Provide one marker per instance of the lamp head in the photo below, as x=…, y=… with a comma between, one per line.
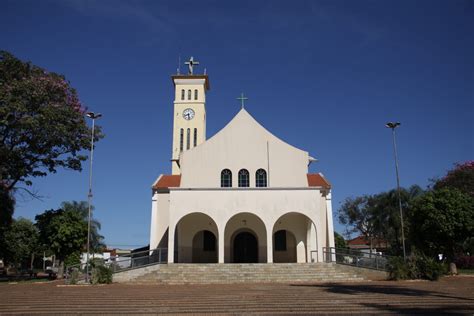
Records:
x=392, y=125
x=93, y=115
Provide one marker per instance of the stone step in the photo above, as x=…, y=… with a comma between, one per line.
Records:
x=244, y=273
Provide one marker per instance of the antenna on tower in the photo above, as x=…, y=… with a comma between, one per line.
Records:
x=205, y=70
x=179, y=64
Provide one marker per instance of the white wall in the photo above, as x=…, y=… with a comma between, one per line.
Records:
x=243, y=144
x=267, y=204
x=159, y=218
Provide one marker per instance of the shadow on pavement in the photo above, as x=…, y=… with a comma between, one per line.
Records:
x=406, y=310
x=354, y=289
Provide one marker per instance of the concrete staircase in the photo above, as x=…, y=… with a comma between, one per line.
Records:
x=246, y=273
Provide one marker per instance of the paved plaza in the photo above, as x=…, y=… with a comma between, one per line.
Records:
x=451, y=295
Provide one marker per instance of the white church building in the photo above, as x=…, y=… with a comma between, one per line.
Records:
x=241, y=196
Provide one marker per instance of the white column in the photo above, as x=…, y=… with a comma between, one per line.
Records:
x=330, y=225
x=171, y=242
x=154, y=221
x=221, y=245
x=269, y=243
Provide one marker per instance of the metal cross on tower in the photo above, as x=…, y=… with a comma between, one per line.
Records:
x=242, y=100
x=191, y=64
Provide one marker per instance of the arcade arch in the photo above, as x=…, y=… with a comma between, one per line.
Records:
x=196, y=239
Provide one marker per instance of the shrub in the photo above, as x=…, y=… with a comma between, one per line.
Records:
x=397, y=269
x=428, y=268
x=74, y=277
x=101, y=275
x=416, y=267
x=465, y=262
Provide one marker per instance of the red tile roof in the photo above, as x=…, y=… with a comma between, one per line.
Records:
x=363, y=242
x=168, y=181
x=318, y=180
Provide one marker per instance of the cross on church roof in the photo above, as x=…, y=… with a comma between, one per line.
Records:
x=191, y=64
x=242, y=100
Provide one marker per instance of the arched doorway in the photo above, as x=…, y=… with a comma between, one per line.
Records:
x=250, y=245
x=245, y=248
x=204, y=247
x=284, y=247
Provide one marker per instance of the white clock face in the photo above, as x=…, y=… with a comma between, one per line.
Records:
x=188, y=114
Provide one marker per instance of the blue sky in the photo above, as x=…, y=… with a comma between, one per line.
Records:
x=325, y=76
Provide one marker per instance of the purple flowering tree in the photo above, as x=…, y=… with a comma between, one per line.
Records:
x=461, y=178
x=42, y=124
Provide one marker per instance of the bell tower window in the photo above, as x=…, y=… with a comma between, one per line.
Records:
x=195, y=94
x=195, y=137
x=188, y=138
x=182, y=94
x=189, y=94
x=181, y=140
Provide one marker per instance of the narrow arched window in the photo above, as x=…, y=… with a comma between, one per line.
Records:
x=189, y=94
x=181, y=140
x=195, y=137
x=261, y=178
x=226, y=178
x=182, y=94
x=188, y=139
x=243, y=178
x=195, y=94
x=280, y=240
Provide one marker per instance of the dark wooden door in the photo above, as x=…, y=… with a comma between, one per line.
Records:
x=245, y=248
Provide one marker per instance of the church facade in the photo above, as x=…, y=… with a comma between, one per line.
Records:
x=241, y=196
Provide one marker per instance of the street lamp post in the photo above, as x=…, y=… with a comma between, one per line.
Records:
x=393, y=126
x=93, y=116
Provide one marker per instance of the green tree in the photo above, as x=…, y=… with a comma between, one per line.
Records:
x=96, y=239
x=378, y=216
x=441, y=221
x=42, y=124
x=21, y=242
x=62, y=232
x=461, y=178
x=339, y=241
x=7, y=204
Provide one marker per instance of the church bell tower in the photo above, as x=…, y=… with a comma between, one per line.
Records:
x=189, y=116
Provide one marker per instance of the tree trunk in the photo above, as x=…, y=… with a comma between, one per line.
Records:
x=61, y=269
x=32, y=261
x=453, y=270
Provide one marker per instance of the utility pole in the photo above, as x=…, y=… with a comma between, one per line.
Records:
x=93, y=116
x=393, y=126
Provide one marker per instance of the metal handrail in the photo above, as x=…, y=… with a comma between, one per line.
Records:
x=359, y=259
x=121, y=263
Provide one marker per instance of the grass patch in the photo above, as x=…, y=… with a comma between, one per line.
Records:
x=466, y=271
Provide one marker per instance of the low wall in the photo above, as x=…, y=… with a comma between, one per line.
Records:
x=130, y=275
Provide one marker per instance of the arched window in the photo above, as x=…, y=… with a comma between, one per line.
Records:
x=195, y=94
x=188, y=139
x=208, y=241
x=243, y=178
x=182, y=94
x=181, y=141
x=226, y=178
x=280, y=240
x=189, y=94
x=195, y=137
x=260, y=178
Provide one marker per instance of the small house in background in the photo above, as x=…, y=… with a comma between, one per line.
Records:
x=362, y=244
